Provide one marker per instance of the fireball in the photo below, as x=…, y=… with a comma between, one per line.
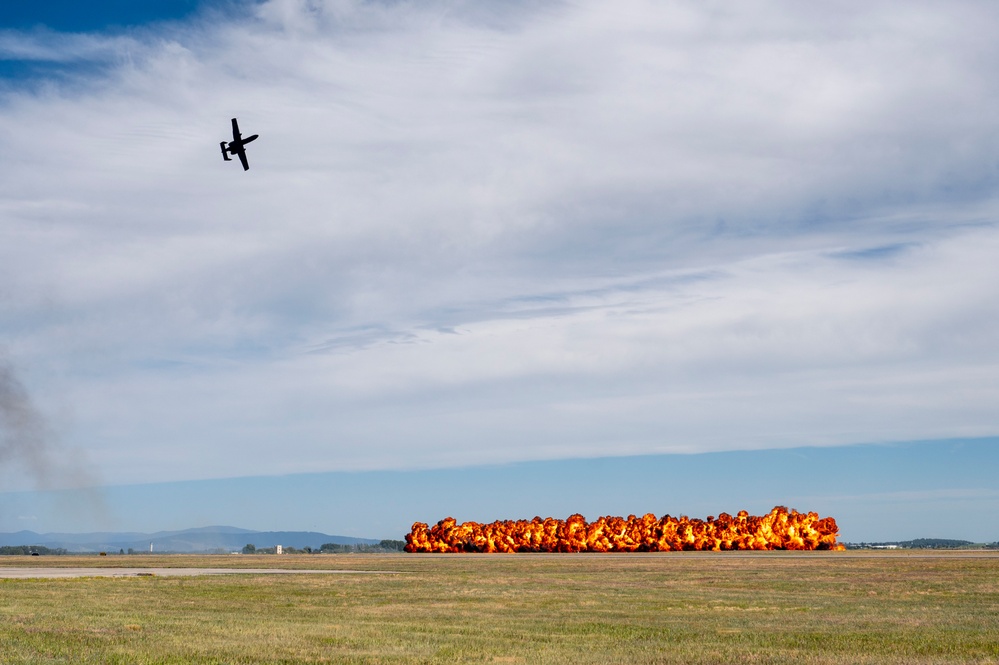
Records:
x=780, y=529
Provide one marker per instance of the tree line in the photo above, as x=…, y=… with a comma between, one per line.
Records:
x=926, y=544
x=28, y=550
x=382, y=546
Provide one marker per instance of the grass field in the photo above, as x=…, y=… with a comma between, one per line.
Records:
x=818, y=607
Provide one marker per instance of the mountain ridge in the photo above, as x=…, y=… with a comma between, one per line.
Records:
x=184, y=541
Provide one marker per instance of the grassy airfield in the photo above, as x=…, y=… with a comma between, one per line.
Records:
x=780, y=607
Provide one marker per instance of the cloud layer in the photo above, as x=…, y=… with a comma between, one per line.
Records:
x=491, y=234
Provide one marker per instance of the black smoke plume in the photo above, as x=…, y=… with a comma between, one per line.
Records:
x=24, y=436
x=27, y=443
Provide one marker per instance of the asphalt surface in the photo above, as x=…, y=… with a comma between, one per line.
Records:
x=27, y=573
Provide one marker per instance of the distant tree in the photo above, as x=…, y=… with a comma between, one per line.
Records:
x=363, y=548
x=28, y=550
x=937, y=543
x=15, y=549
x=249, y=548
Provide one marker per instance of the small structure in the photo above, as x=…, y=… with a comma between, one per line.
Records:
x=277, y=550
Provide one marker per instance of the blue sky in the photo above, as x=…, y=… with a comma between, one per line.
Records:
x=69, y=16
x=479, y=241
x=943, y=489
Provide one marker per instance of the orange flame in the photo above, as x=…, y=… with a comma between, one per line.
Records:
x=780, y=529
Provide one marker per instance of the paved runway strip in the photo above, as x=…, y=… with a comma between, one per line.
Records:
x=25, y=573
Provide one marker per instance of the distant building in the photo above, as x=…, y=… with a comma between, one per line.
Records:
x=278, y=549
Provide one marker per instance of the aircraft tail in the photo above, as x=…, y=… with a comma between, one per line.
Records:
x=225, y=154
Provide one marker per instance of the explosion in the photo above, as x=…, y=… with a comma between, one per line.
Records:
x=780, y=529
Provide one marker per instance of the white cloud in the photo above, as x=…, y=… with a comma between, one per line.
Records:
x=471, y=235
x=47, y=46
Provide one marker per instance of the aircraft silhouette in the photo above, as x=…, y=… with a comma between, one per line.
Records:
x=235, y=146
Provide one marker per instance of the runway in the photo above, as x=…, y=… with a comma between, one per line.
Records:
x=54, y=573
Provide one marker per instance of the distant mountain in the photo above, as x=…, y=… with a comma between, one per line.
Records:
x=204, y=539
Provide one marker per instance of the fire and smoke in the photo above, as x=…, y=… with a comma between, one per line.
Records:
x=780, y=529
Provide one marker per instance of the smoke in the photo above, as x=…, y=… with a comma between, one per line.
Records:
x=25, y=438
x=28, y=443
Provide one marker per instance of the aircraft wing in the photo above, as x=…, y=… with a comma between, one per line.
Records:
x=242, y=158
x=235, y=130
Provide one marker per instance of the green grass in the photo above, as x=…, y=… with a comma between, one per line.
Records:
x=822, y=607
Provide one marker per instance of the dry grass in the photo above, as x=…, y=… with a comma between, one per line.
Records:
x=663, y=608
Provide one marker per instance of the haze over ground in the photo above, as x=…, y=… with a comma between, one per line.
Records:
x=480, y=242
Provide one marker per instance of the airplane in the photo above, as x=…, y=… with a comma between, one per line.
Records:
x=236, y=146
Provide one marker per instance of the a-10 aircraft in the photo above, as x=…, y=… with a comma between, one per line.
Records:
x=236, y=146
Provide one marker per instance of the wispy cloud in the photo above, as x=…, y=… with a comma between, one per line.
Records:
x=597, y=229
x=48, y=46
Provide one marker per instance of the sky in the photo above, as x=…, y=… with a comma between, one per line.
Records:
x=537, y=246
